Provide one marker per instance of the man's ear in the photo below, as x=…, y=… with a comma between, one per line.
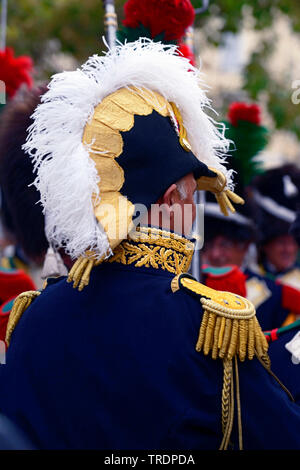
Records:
x=171, y=195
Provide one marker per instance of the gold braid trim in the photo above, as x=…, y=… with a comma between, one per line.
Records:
x=156, y=248
x=144, y=247
x=20, y=304
x=227, y=377
x=227, y=404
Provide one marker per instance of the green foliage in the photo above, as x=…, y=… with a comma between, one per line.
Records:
x=264, y=12
x=256, y=76
x=257, y=80
x=285, y=114
x=132, y=34
x=76, y=27
x=249, y=140
x=197, y=3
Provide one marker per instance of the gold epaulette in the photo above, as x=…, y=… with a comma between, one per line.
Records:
x=229, y=330
x=20, y=304
x=229, y=325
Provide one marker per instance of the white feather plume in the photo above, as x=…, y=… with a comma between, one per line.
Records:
x=66, y=176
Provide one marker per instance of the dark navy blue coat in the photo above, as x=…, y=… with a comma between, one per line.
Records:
x=115, y=367
x=281, y=359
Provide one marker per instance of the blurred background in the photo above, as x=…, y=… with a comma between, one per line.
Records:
x=247, y=50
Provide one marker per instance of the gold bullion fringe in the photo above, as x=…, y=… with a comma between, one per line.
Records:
x=21, y=303
x=80, y=272
x=226, y=337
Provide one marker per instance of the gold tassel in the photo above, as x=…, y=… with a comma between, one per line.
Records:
x=216, y=338
x=232, y=348
x=221, y=332
x=20, y=304
x=261, y=344
x=208, y=341
x=217, y=185
x=243, y=338
x=251, y=336
x=223, y=346
x=202, y=332
x=224, y=202
x=80, y=272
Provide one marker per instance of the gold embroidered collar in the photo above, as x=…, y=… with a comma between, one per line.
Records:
x=155, y=248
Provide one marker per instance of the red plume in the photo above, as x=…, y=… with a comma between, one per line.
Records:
x=244, y=112
x=233, y=280
x=171, y=17
x=290, y=298
x=14, y=71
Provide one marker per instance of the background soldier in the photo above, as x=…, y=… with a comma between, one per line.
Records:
x=228, y=239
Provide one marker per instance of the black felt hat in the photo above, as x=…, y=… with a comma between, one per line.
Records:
x=276, y=194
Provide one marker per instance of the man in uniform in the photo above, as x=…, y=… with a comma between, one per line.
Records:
x=277, y=196
x=132, y=353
